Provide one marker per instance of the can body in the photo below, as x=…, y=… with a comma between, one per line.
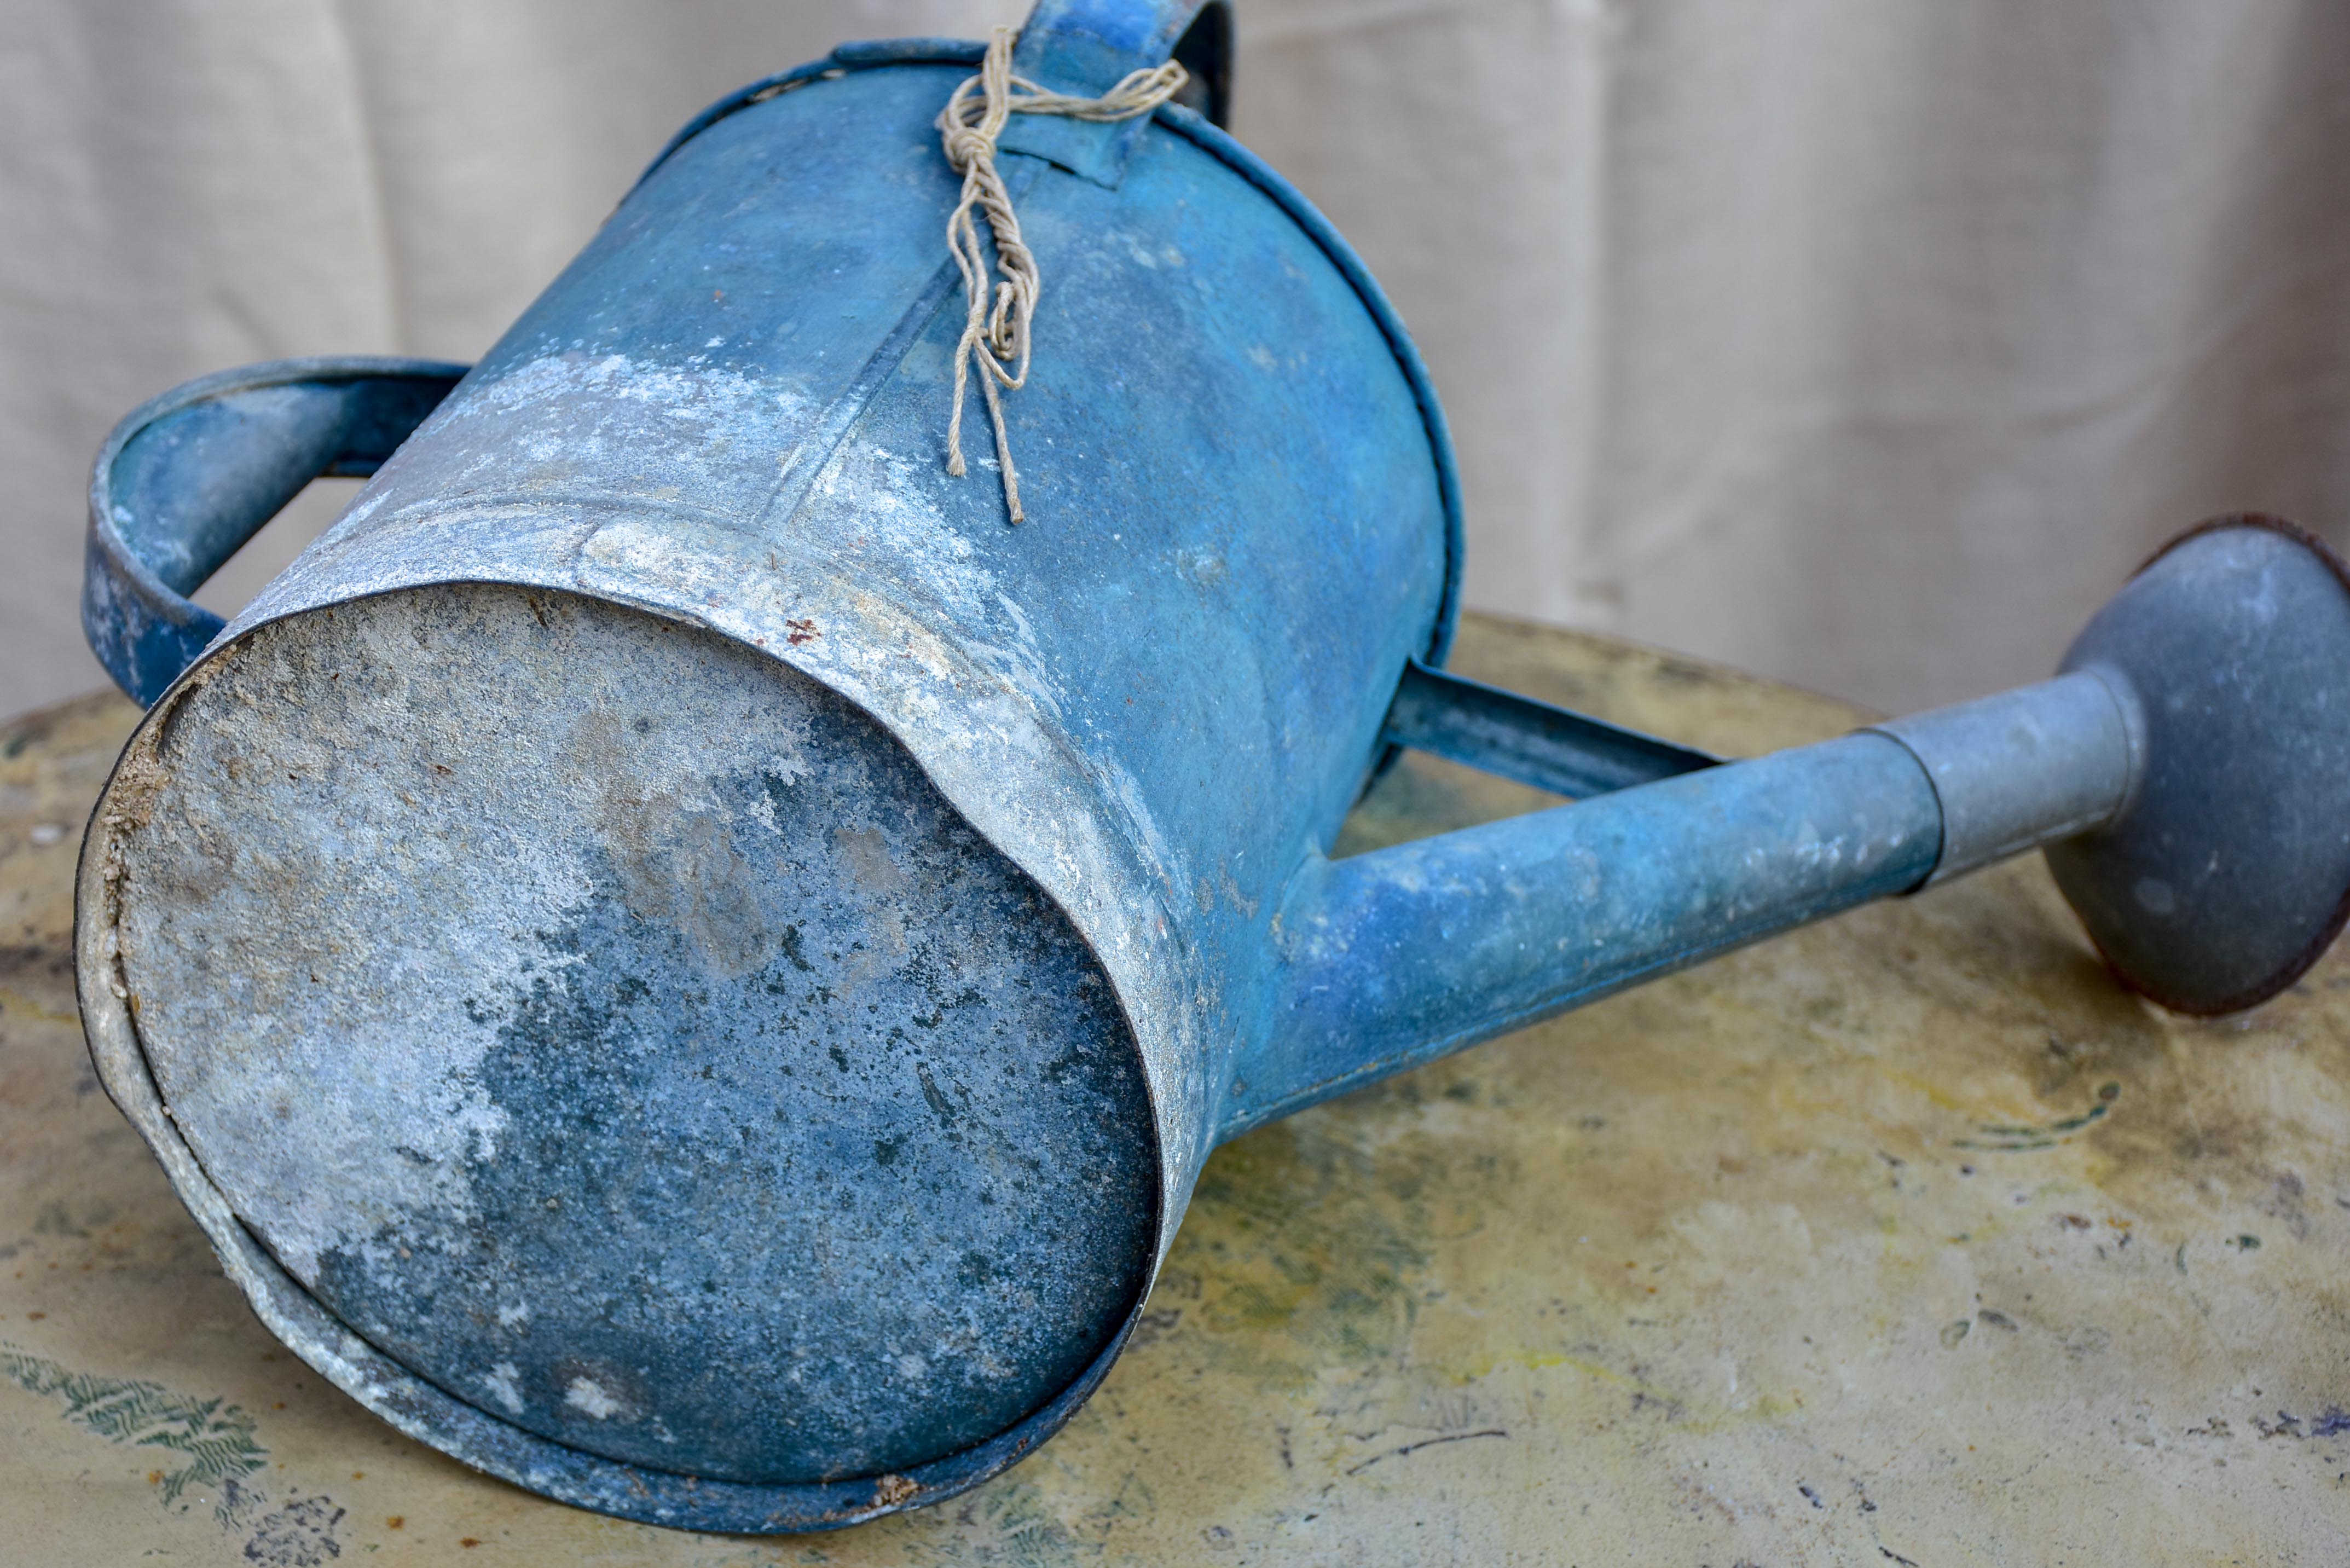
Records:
x=1070, y=765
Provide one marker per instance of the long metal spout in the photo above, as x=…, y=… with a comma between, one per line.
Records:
x=1394, y=958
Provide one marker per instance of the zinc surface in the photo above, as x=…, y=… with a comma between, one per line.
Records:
x=1904, y=1239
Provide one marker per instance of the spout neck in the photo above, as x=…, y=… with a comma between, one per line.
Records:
x=1397, y=957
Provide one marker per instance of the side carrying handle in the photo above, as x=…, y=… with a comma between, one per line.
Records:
x=189, y=477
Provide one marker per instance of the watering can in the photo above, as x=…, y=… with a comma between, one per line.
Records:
x=683, y=960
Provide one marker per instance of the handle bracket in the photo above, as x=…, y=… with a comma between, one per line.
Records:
x=1531, y=741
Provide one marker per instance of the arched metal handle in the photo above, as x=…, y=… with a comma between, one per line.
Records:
x=188, y=477
x=1085, y=45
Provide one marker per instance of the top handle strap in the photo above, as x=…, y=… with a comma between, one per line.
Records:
x=1086, y=47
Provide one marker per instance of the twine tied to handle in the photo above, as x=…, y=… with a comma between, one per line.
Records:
x=995, y=334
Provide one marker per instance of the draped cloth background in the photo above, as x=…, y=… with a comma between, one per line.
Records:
x=1864, y=343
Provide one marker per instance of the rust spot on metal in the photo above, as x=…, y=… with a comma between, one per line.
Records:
x=892, y=1490
x=802, y=631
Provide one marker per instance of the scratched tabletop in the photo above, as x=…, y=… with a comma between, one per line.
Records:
x=1907, y=1238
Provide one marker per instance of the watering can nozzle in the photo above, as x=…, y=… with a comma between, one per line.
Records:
x=2227, y=872
x=2192, y=777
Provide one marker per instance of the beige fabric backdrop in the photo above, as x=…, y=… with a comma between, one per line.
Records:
x=1865, y=343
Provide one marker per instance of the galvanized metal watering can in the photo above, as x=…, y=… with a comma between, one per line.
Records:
x=683, y=961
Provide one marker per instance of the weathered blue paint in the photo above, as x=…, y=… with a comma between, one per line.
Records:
x=709, y=1011
x=683, y=961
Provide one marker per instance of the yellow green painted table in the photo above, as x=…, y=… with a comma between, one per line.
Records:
x=1904, y=1239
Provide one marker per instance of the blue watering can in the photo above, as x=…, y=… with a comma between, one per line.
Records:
x=683, y=960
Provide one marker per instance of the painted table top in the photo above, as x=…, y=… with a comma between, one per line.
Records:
x=1907, y=1238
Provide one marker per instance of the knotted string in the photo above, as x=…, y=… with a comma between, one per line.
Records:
x=995, y=334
